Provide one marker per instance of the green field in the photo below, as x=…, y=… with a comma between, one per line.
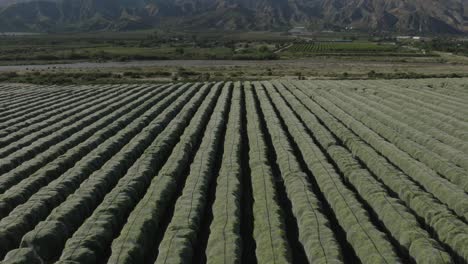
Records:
x=352, y=48
x=141, y=45
x=278, y=171
x=126, y=51
x=157, y=45
x=342, y=47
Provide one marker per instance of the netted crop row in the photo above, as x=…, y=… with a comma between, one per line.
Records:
x=16, y=131
x=30, y=212
x=447, y=226
x=441, y=188
x=137, y=242
x=399, y=221
x=8, y=88
x=406, y=139
x=448, y=124
x=370, y=244
x=77, y=99
x=91, y=242
x=31, y=133
x=425, y=123
x=448, y=89
x=12, y=108
x=44, y=139
x=35, y=105
x=55, y=103
x=224, y=242
x=439, y=141
x=71, y=149
x=443, y=116
x=449, y=95
x=90, y=192
x=454, y=117
x=7, y=93
x=268, y=233
x=438, y=100
x=11, y=96
x=33, y=180
x=180, y=237
x=258, y=172
x=315, y=232
x=452, y=92
x=445, y=89
x=21, y=100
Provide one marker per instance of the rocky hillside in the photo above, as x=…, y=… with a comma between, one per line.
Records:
x=436, y=16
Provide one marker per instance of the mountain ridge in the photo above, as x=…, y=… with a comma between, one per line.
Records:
x=410, y=16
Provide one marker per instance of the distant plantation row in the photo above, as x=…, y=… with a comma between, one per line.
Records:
x=235, y=172
x=342, y=47
x=351, y=49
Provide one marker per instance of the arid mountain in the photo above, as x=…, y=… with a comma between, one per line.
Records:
x=436, y=16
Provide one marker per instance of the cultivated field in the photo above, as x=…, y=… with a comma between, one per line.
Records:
x=346, y=49
x=231, y=172
x=341, y=47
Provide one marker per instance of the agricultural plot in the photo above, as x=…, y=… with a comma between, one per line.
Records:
x=235, y=172
x=350, y=49
x=341, y=47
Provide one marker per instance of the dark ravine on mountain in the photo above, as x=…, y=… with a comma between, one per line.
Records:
x=409, y=16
